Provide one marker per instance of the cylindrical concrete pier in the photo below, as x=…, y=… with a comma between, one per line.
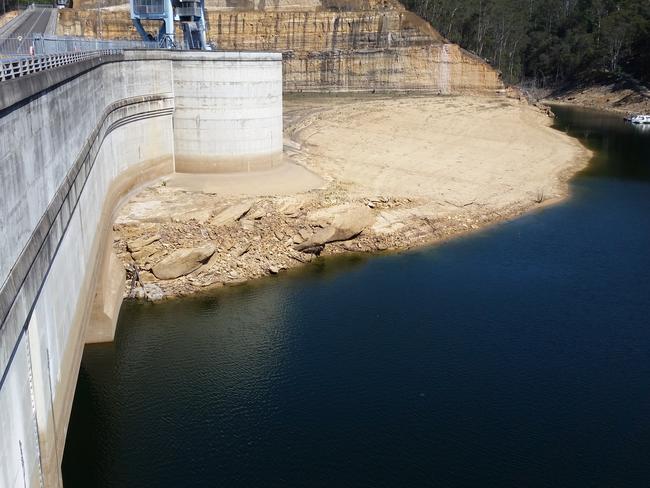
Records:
x=228, y=115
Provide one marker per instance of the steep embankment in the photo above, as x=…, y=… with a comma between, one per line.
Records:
x=349, y=45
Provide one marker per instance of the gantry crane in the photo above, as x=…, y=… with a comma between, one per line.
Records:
x=190, y=13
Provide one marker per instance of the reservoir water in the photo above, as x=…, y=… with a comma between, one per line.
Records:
x=515, y=357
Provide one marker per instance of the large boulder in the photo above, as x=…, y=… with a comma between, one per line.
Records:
x=345, y=225
x=182, y=262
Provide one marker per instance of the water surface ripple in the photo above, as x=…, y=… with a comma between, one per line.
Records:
x=518, y=356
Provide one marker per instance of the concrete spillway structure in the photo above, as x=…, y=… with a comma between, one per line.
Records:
x=75, y=141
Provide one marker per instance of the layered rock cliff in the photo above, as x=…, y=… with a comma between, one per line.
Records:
x=328, y=45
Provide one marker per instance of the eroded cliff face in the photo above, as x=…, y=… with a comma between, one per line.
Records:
x=441, y=68
x=328, y=45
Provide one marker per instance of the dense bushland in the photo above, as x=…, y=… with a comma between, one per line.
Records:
x=548, y=42
x=7, y=5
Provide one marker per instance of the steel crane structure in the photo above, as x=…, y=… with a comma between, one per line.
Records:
x=190, y=14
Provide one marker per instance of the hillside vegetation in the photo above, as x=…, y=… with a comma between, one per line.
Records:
x=548, y=42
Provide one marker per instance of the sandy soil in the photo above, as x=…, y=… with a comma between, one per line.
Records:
x=287, y=179
x=427, y=168
x=444, y=153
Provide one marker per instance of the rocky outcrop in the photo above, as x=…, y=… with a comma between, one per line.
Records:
x=439, y=68
x=327, y=45
x=137, y=245
x=182, y=262
x=417, y=173
x=348, y=222
x=232, y=213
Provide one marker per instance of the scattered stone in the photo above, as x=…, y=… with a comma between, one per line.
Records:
x=153, y=292
x=545, y=109
x=257, y=214
x=240, y=250
x=274, y=269
x=248, y=225
x=182, y=262
x=301, y=257
x=316, y=250
x=291, y=209
x=136, y=245
x=198, y=214
x=297, y=239
x=231, y=214
x=351, y=246
x=146, y=276
x=143, y=253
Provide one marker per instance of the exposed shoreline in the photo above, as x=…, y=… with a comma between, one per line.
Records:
x=623, y=101
x=550, y=102
x=372, y=173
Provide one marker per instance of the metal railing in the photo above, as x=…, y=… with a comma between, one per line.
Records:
x=33, y=64
x=37, y=45
x=22, y=56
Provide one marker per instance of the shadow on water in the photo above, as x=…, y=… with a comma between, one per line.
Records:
x=621, y=150
x=518, y=356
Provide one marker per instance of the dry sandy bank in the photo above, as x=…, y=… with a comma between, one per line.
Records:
x=402, y=171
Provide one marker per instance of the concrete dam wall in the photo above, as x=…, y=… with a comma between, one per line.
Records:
x=328, y=45
x=77, y=140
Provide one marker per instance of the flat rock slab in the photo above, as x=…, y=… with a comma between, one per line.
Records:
x=138, y=244
x=327, y=215
x=162, y=205
x=182, y=262
x=232, y=213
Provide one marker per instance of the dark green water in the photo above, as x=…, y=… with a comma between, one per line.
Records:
x=516, y=357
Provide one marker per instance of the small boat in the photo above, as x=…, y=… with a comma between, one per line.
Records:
x=638, y=119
